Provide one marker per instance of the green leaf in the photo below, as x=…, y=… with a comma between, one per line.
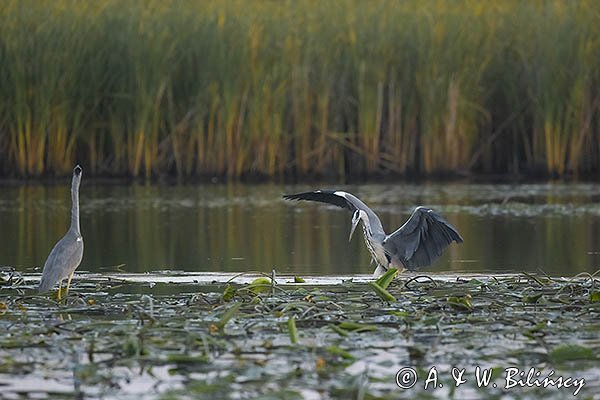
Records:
x=382, y=293
x=260, y=285
x=292, y=330
x=298, y=279
x=356, y=327
x=228, y=293
x=570, y=352
x=461, y=302
x=532, y=299
x=131, y=347
x=227, y=315
x=400, y=314
x=339, y=352
x=186, y=359
x=338, y=330
x=384, y=280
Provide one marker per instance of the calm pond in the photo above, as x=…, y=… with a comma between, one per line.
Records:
x=204, y=332
x=554, y=228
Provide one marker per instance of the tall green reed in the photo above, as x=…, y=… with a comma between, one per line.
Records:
x=280, y=89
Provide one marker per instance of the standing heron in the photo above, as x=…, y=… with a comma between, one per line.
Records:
x=417, y=243
x=68, y=252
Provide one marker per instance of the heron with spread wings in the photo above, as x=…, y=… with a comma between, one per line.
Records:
x=66, y=255
x=417, y=243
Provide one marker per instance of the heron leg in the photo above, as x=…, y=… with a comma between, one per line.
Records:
x=380, y=270
x=59, y=287
x=69, y=283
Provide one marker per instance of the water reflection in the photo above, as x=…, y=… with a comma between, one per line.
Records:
x=553, y=227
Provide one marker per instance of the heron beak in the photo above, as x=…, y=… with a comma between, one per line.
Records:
x=355, y=222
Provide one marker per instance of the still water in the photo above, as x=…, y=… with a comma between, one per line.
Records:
x=554, y=228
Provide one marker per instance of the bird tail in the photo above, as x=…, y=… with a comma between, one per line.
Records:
x=45, y=284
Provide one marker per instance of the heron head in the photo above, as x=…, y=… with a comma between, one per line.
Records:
x=77, y=170
x=355, y=221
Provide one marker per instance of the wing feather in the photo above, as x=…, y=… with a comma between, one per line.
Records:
x=344, y=200
x=64, y=258
x=421, y=240
x=324, y=196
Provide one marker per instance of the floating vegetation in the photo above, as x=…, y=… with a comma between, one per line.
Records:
x=384, y=280
x=117, y=336
x=293, y=331
x=381, y=292
x=260, y=285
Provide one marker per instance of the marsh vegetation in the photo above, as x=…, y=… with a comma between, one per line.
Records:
x=121, y=336
x=287, y=89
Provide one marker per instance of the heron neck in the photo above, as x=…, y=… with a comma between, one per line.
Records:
x=75, y=205
x=366, y=226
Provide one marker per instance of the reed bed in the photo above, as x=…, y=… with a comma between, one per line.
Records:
x=299, y=88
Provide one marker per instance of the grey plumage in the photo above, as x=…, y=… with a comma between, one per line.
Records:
x=421, y=240
x=66, y=255
x=417, y=243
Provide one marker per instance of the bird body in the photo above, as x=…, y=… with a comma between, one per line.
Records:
x=62, y=261
x=66, y=255
x=417, y=243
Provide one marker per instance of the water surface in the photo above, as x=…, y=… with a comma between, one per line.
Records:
x=554, y=228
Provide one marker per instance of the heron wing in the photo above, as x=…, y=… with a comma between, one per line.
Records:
x=62, y=260
x=341, y=199
x=421, y=240
x=325, y=196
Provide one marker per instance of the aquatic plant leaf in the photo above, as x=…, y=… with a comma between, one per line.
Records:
x=187, y=359
x=532, y=298
x=292, y=330
x=384, y=280
x=227, y=315
x=260, y=285
x=228, y=293
x=570, y=352
x=461, y=301
x=131, y=347
x=338, y=330
x=382, y=293
x=400, y=314
x=335, y=350
x=356, y=327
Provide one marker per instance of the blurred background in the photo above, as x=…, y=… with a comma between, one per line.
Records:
x=297, y=89
x=401, y=102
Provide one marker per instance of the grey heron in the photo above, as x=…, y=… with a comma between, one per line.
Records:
x=417, y=243
x=66, y=255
